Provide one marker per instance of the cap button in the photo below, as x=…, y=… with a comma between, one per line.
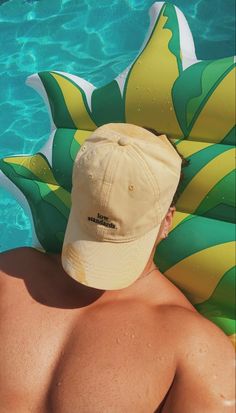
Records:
x=123, y=141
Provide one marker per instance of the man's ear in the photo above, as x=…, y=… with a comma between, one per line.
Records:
x=168, y=221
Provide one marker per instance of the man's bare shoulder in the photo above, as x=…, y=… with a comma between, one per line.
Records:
x=204, y=379
x=18, y=262
x=195, y=329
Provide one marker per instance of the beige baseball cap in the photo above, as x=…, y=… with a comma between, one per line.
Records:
x=124, y=179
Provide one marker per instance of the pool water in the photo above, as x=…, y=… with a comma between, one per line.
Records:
x=95, y=39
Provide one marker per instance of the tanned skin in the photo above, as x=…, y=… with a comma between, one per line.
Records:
x=70, y=348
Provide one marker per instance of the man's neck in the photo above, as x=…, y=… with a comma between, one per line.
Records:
x=148, y=277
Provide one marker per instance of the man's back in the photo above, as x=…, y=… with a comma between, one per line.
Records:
x=64, y=351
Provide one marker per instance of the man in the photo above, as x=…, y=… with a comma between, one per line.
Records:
x=99, y=329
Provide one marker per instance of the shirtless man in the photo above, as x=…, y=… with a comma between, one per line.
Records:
x=69, y=347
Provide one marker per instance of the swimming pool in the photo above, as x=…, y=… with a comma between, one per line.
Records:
x=88, y=38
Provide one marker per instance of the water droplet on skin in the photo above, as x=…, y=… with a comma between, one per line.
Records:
x=132, y=335
x=59, y=383
x=188, y=355
x=229, y=402
x=149, y=345
x=203, y=348
x=118, y=340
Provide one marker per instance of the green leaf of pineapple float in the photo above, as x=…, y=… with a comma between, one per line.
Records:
x=165, y=88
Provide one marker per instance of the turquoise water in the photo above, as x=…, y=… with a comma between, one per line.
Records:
x=93, y=39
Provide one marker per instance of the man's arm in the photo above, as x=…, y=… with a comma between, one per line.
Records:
x=205, y=375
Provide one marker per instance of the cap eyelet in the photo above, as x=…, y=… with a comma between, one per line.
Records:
x=124, y=140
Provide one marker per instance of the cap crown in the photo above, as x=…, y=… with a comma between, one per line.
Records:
x=124, y=179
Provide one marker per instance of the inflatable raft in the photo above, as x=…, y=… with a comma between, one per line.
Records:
x=165, y=88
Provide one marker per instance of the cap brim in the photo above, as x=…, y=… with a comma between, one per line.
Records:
x=101, y=264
